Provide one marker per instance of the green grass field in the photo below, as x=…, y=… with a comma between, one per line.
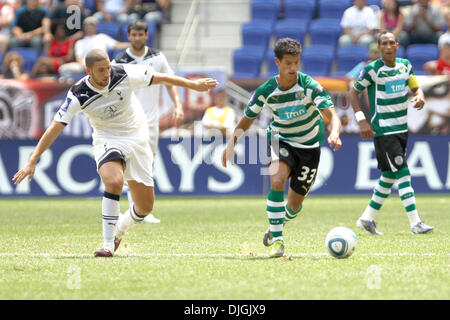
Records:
x=211, y=248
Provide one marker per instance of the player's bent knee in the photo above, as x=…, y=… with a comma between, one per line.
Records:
x=277, y=183
x=113, y=184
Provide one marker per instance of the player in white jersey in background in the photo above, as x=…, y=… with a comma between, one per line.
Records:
x=139, y=53
x=119, y=138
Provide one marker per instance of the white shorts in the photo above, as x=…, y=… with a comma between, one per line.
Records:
x=136, y=155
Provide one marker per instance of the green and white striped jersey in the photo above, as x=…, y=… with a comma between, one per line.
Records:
x=387, y=88
x=296, y=118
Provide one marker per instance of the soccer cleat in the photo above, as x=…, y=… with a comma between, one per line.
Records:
x=267, y=239
x=116, y=243
x=277, y=250
x=103, y=253
x=421, y=228
x=369, y=225
x=150, y=218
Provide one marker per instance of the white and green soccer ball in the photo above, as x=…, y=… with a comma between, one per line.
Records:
x=341, y=242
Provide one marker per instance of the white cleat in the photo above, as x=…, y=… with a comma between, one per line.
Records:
x=150, y=218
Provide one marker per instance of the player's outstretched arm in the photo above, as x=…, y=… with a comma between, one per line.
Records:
x=241, y=127
x=333, y=139
x=204, y=84
x=365, y=128
x=52, y=132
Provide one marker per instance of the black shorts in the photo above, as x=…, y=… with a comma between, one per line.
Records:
x=391, y=151
x=303, y=163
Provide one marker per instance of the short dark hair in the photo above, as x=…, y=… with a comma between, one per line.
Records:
x=138, y=25
x=94, y=56
x=287, y=46
x=383, y=33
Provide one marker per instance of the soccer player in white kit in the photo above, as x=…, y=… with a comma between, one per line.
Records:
x=120, y=137
x=139, y=53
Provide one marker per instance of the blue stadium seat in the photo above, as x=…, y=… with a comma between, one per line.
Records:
x=291, y=28
x=333, y=9
x=299, y=9
x=151, y=33
x=91, y=5
x=349, y=56
x=325, y=31
x=29, y=55
x=317, y=60
x=418, y=54
x=400, y=52
x=272, y=68
x=114, y=53
x=247, y=62
x=256, y=33
x=112, y=29
x=266, y=10
x=374, y=3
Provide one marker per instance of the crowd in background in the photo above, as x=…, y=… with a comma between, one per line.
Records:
x=60, y=36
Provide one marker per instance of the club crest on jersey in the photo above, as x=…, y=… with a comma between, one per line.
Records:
x=398, y=160
x=299, y=95
x=284, y=152
x=402, y=69
x=110, y=112
x=66, y=104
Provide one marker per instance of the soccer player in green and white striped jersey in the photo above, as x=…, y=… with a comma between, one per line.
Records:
x=295, y=132
x=387, y=81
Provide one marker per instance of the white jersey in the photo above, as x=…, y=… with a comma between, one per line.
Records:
x=114, y=111
x=149, y=97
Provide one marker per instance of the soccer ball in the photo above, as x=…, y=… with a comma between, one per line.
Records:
x=341, y=242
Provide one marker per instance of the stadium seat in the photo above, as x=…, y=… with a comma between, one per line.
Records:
x=325, y=31
x=114, y=53
x=291, y=28
x=247, y=62
x=299, y=9
x=112, y=29
x=91, y=5
x=349, y=56
x=151, y=33
x=256, y=33
x=272, y=68
x=418, y=54
x=333, y=9
x=265, y=10
x=29, y=55
x=400, y=52
x=317, y=60
x=374, y=3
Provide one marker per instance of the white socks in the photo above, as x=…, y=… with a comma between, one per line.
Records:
x=110, y=216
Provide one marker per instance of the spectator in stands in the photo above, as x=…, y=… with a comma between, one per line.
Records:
x=90, y=41
x=220, y=117
x=115, y=11
x=61, y=12
x=359, y=23
x=6, y=18
x=424, y=23
x=59, y=51
x=374, y=54
x=445, y=38
x=391, y=19
x=13, y=67
x=152, y=11
x=29, y=25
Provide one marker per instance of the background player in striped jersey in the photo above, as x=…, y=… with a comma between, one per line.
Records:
x=295, y=132
x=139, y=53
x=387, y=81
x=119, y=139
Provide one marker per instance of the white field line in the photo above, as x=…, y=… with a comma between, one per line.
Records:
x=209, y=255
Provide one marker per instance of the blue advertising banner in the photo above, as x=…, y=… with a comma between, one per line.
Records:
x=193, y=167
